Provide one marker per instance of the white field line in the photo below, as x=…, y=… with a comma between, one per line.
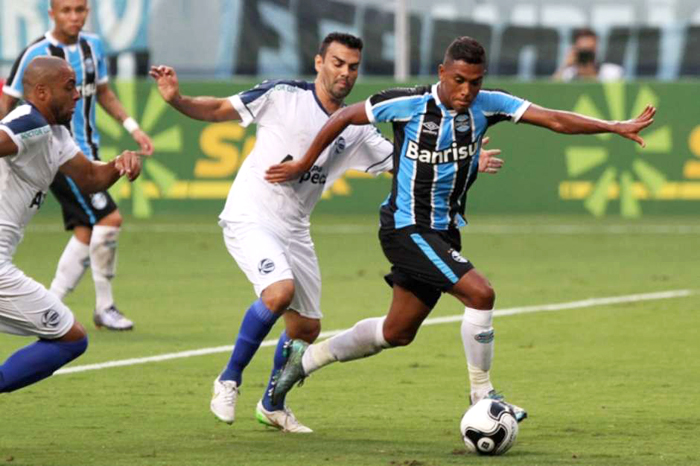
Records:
x=350, y=229
x=434, y=321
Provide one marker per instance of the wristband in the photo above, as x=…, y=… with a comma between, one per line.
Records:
x=130, y=125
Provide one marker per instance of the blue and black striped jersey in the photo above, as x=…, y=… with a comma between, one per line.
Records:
x=436, y=152
x=88, y=61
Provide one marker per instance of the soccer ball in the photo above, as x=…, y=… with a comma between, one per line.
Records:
x=489, y=427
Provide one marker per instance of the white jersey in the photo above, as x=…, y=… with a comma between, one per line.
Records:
x=288, y=117
x=25, y=177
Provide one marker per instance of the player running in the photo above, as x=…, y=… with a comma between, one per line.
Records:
x=34, y=146
x=438, y=131
x=93, y=218
x=265, y=226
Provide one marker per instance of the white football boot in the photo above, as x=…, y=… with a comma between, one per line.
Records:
x=112, y=319
x=223, y=400
x=282, y=419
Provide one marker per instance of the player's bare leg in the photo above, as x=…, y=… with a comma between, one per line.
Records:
x=257, y=323
x=477, y=294
x=366, y=338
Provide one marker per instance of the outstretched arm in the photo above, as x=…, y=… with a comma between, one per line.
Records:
x=92, y=176
x=352, y=115
x=109, y=101
x=199, y=108
x=574, y=123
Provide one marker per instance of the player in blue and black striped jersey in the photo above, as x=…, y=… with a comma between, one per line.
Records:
x=438, y=130
x=93, y=217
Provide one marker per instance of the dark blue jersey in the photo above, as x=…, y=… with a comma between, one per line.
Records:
x=436, y=152
x=88, y=61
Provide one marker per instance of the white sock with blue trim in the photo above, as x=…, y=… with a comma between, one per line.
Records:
x=365, y=338
x=477, y=338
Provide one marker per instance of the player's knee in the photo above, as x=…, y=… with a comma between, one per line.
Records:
x=114, y=219
x=76, y=333
x=483, y=297
x=278, y=297
x=399, y=337
x=307, y=332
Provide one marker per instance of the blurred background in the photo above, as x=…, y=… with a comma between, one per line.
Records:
x=220, y=47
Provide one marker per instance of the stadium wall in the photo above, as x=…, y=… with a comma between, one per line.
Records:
x=195, y=162
x=656, y=39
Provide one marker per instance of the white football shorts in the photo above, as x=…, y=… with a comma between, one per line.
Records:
x=29, y=309
x=267, y=257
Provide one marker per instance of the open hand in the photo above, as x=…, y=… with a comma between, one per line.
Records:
x=630, y=128
x=128, y=163
x=284, y=172
x=167, y=82
x=488, y=162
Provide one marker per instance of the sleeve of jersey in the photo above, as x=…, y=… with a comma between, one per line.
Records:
x=68, y=147
x=254, y=105
x=13, y=84
x=499, y=106
x=374, y=155
x=16, y=139
x=392, y=105
x=102, y=73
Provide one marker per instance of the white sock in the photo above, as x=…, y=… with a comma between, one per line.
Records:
x=103, y=258
x=71, y=267
x=477, y=337
x=364, y=339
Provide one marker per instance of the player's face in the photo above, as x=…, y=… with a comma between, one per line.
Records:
x=338, y=69
x=460, y=82
x=64, y=95
x=69, y=16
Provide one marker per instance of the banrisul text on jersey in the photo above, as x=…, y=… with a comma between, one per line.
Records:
x=436, y=152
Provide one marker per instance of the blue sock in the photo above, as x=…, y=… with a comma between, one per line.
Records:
x=257, y=323
x=38, y=361
x=277, y=364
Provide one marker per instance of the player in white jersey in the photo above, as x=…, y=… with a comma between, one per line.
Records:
x=34, y=145
x=266, y=226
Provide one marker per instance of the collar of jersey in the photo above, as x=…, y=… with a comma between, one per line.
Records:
x=434, y=93
x=57, y=43
x=312, y=86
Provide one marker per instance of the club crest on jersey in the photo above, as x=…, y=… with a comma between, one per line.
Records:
x=430, y=127
x=266, y=266
x=98, y=201
x=89, y=65
x=457, y=257
x=462, y=123
x=50, y=318
x=339, y=145
x=452, y=154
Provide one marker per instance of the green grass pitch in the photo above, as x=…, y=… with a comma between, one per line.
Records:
x=605, y=385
